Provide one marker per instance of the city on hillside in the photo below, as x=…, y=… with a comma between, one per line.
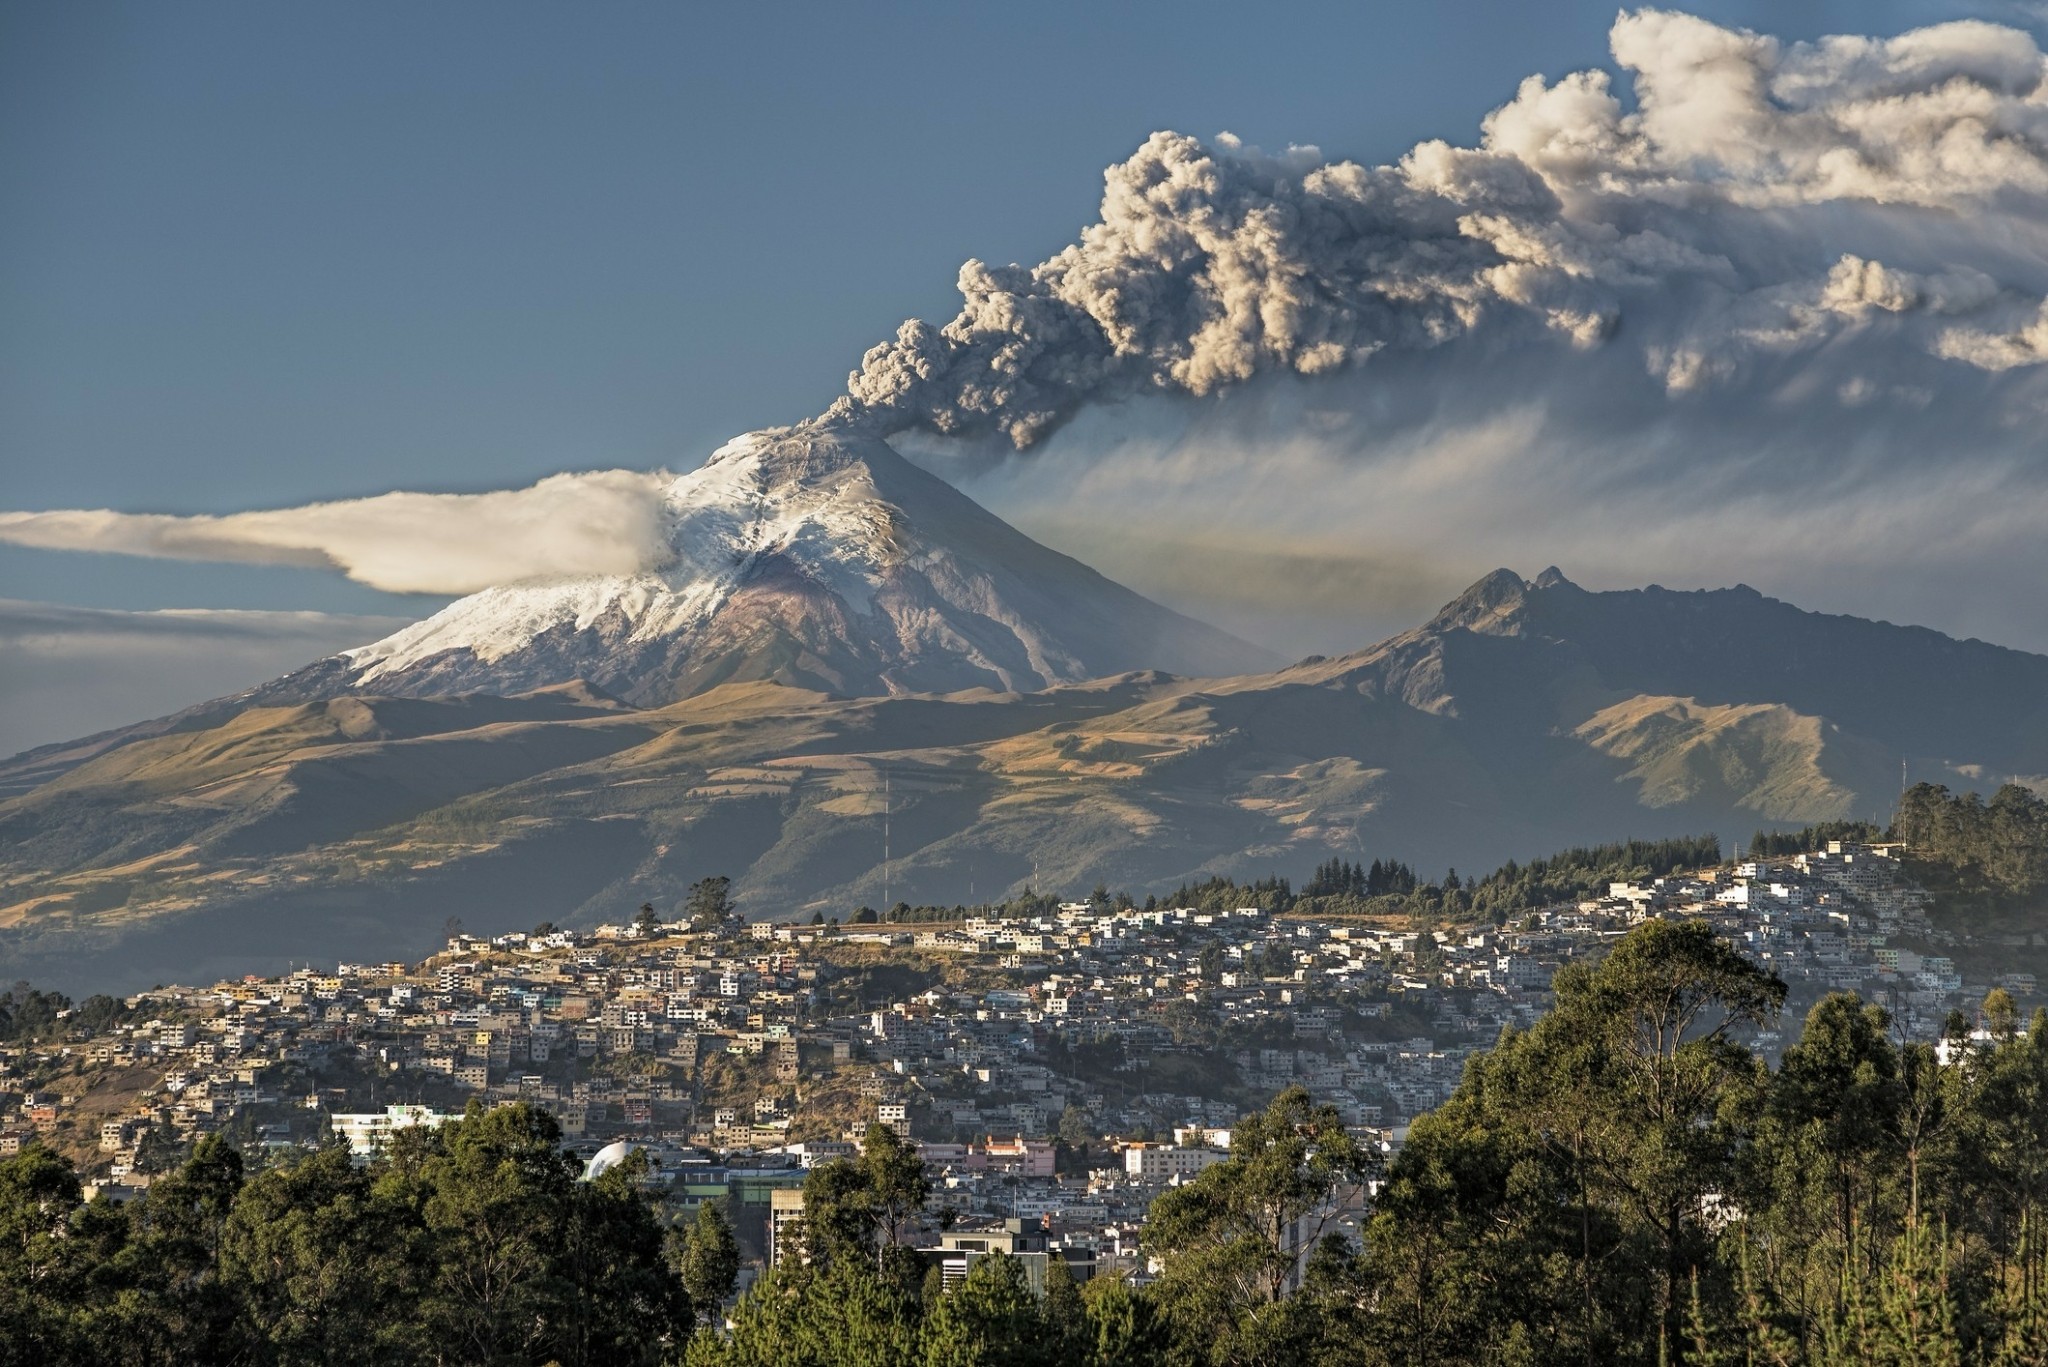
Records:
x=1057, y=1065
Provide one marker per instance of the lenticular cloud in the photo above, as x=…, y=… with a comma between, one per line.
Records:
x=604, y=522
x=1762, y=201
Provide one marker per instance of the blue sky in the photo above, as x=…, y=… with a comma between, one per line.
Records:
x=260, y=255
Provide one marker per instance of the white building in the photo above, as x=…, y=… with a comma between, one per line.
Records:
x=368, y=1132
x=1164, y=1162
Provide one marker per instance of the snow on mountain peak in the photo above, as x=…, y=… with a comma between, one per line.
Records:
x=749, y=499
x=813, y=554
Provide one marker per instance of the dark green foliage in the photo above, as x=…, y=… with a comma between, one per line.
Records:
x=321, y=1261
x=1230, y=1239
x=1123, y=1327
x=26, y=1014
x=1023, y=906
x=44, y=1284
x=904, y=914
x=709, y=1258
x=990, y=1320
x=855, y=1209
x=1806, y=840
x=1572, y=874
x=710, y=904
x=1559, y=1204
x=1225, y=894
x=806, y=1315
x=1339, y=878
x=473, y=1244
x=1063, y=1317
x=1967, y=846
x=1388, y=887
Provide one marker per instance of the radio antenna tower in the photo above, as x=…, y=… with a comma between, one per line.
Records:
x=886, y=903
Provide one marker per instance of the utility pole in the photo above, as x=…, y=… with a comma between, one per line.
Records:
x=886, y=903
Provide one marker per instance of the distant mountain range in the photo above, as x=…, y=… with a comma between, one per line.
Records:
x=842, y=631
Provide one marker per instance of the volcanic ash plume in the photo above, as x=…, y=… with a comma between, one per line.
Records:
x=1763, y=198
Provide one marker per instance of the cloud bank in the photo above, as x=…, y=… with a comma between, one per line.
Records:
x=602, y=522
x=68, y=671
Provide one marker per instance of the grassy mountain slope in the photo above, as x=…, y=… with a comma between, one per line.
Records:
x=1514, y=722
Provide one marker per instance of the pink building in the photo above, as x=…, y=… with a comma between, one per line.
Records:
x=1021, y=1157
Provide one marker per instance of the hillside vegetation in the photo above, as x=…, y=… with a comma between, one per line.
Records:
x=1994, y=854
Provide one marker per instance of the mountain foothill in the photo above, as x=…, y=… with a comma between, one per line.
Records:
x=846, y=651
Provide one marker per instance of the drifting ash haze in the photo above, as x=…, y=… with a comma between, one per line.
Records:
x=1763, y=310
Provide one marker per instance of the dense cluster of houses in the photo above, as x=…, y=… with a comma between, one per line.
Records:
x=1060, y=1070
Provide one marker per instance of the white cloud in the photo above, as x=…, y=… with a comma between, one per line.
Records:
x=602, y=522
x=2025, y=345
x=68, y=671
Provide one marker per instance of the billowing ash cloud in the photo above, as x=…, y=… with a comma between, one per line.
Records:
x=1762, y=201
x=602, y=522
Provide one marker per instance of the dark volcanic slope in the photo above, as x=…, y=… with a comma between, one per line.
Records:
x=1924, y=694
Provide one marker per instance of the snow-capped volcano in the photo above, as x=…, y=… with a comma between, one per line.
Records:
x=813, y=555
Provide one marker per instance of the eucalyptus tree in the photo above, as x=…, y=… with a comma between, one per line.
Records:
x=1236, y=1240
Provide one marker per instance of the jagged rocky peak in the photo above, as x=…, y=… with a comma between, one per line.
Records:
x=1497, y=602
x=1485, y=605
x=813, y=555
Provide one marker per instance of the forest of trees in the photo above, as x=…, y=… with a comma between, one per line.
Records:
x=1227, y=894
x=475, y=1243
x=1627, y=1181
x=1808, y=839
x=1341, y=878
x=1389, y=887
x=27, y=1014
x=1961, y=844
